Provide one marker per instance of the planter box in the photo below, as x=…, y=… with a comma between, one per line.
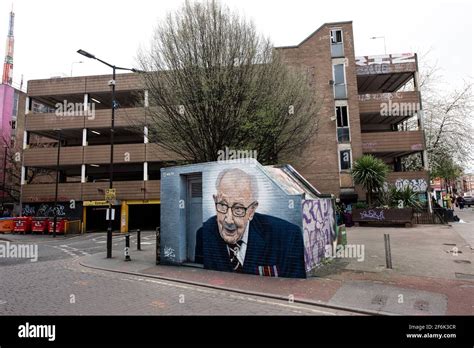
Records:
x=383, y=216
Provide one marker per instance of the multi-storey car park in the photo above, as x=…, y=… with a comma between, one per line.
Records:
x=366, y=103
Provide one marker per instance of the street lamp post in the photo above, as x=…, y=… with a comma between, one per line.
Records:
x=55, y=221
x=112, y=127
x=381, y=37
x=72, y=65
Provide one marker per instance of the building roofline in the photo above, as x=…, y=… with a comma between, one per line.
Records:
x=312, y=34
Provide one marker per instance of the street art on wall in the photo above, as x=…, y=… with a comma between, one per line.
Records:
x=63, y=210
x=417, y=185
x=318, y=230
x=238, y=238
x=244, y=217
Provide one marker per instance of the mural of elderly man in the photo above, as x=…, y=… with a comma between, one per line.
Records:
x=239, y=239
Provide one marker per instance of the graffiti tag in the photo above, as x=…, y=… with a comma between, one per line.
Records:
x=372, y=214
x=318, y=230
x=417, y=185
x=169, y=253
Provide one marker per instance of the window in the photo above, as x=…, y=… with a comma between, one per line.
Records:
x=343, y=134
x=345, y=159
x=336, y=36
x=337, y=46
x=341, y=114
x=339, y=74
x=13, y=124
x=339, y=82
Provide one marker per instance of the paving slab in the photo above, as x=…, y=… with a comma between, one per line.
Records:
x=391, y=299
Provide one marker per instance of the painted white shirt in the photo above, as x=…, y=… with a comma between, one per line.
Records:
x=243, y=247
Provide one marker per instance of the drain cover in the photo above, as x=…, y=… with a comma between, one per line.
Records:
x=464, y=276
x=462, y=261
x=421, y=305
x=379, y=300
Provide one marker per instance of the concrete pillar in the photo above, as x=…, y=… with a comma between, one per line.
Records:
x=27, y=105
x=86, y=101
x=145, y=133
x=84, y=137
x=23, y=175
x=145, y=171
x=25, y=139
x=83, y=173
x=145, y=101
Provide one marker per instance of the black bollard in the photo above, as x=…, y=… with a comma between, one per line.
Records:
x=109, y=242
x=139, y=240
x=388, y=252
x=127, y=247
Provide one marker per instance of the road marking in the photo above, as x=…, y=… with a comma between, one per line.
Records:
x=70, y=250
x=2, y=302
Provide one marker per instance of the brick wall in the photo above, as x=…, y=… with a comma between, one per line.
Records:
x=318, y=161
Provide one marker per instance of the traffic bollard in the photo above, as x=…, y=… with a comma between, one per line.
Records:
x=388, y=252
x=127, y=247
x=139, y=240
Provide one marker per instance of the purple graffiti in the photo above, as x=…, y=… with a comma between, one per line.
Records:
x=318, y=230
x=372, y=214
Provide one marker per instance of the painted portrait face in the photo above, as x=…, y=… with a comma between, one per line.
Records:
x=235, y=206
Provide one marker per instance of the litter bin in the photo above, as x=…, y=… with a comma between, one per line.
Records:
x=22, y=224
x=60, y=225
x=40, y=225
x=6, y=225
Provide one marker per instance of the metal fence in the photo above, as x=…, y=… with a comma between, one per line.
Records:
x=424, y=216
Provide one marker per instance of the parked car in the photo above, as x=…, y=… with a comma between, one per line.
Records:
x=468, y=201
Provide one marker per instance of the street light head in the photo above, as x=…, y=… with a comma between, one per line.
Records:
x=86, y=54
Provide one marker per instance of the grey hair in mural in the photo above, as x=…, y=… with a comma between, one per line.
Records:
x=238, y=238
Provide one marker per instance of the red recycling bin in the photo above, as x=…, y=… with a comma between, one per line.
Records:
x=60, y=225
x=40, y=225
x=22, y=224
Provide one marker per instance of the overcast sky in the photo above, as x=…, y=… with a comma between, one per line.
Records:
x=49, y=32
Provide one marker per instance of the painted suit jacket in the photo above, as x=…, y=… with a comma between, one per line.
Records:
x=274, y=248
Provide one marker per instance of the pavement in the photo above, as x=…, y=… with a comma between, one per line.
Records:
x=57, y=284
x=432, y=273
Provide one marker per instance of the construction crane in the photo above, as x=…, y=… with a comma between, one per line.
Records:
x=8, y=64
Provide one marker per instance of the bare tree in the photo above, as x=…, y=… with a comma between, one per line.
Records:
x=11, y=171
x=10, y=161
x=214, y=82
x=449, y=127
x=448, y=119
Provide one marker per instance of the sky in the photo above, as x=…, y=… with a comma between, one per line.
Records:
x=49, y=32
